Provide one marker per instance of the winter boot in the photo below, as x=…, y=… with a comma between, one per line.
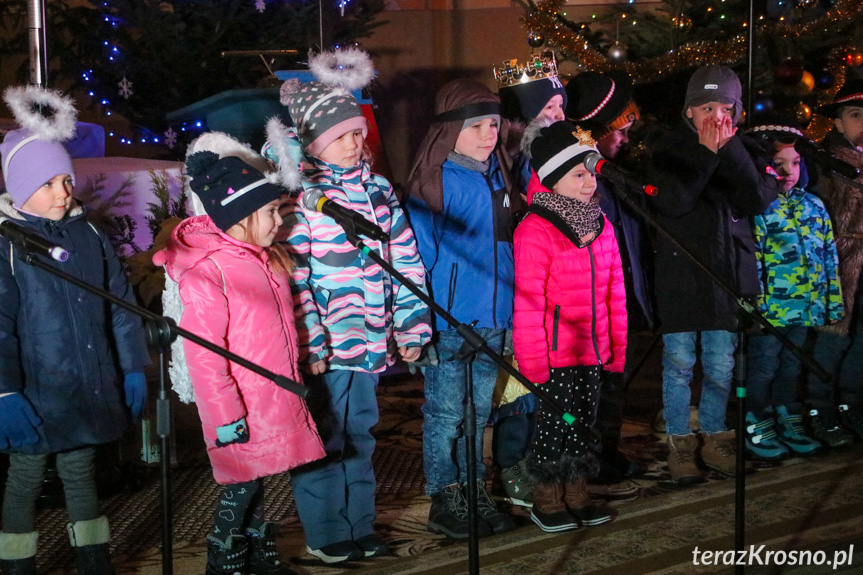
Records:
x=852, y=419
x=90, y=540
x=719, y=452
x=761, y=440
x=18, y=553
x=488, y=511
x=681, y=459
x=516, y=485
x=790, y=431
x=549, y=509
x=827, y=429
x=449, y=515
x=586, y=510
x=228, y=557
x=262, y=558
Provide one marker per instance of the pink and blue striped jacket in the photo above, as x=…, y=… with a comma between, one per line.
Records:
x=348, y=310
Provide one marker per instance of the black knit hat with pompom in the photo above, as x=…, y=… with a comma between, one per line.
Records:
x=230, y=189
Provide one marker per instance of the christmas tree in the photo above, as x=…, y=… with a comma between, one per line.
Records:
x=145, y=58
x=803, y=49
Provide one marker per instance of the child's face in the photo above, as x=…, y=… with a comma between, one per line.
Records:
x=52, y=199
x=345, y=151
x=849, y=123
x=577, y=183
x=713, y=111
x=611, y=144
x=553, y=110
x=261, y=227
x=478, y=140
x=786, y=161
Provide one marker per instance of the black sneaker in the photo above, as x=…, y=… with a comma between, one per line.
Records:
x=827, y=429
x=372, y=546
x=448, y=514
x=337, y=552
x=488, y=511
x=852, y=419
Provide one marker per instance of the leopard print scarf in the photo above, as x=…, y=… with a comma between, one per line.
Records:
x=582, y=217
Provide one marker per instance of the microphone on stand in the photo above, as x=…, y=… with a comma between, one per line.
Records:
x=30, y=241
x=316, y=201
x=596, y=164
x=826, y=160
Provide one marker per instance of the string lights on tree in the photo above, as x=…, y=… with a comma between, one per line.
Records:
x=805, y=47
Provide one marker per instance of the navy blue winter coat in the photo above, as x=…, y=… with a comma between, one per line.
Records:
x=63, y=348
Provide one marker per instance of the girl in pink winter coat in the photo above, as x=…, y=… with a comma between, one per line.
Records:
x=569, y=320
x=234, y=286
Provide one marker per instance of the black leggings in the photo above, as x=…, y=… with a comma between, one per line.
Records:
x=240, y=506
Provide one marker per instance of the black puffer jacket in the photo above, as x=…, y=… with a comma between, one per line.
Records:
x=706, y=202
x=63, y=348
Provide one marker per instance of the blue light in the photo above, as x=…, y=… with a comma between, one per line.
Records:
x=92, y=94
x=104, y=102
x=198, y=124
x=156, y=140
x=108, y=113
x=111, y=134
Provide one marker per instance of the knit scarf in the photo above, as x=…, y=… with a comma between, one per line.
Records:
x=468, y=162
x=583, y=218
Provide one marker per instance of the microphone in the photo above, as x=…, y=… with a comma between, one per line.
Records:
x=316, y=201
x=827, y=160
x=30, y=241
x=596, y=164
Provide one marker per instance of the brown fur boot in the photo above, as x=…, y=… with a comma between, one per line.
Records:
x=579, y=503
x=549, y=510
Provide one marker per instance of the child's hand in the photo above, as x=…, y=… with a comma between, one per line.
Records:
x=135, y=389
x=18, y=423
x=410, y=354
x=708, y=135
x=725, y=131
x=236, y=432
x=318, y=367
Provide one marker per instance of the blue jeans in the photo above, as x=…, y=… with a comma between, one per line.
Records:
x=444, y=456
x=841, y=357
x=772, y=370
x=336, y=495
x=717, y=362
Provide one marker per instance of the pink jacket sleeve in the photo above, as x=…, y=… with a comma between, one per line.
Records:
x=532, y=268
x=205, y=313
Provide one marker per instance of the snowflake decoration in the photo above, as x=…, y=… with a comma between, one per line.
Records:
x=171, y=138
x=260, y=5
x=125, y=87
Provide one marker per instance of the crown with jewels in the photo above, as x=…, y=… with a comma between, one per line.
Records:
x=538, y=67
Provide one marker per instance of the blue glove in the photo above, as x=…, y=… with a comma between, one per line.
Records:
x=18, y=423
x=236, y=432
x=135, y=388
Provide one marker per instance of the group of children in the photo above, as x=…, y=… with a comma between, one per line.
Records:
x=523, y=243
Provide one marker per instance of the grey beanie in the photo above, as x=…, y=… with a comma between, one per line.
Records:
x=715, y=84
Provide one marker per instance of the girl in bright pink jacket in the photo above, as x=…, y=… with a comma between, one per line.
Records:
x=569, y=320
x=235, y=290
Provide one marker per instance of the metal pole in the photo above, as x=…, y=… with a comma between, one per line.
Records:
x=36, y=30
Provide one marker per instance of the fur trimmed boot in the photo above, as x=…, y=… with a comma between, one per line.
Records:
x=549, y=511
x=18, y=553
x=263, y=559
x=90, y=540
x=585, y=509
x=228, y=557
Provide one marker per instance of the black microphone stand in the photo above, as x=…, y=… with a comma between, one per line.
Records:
x=473, y=344
x=739, y=361
x=161, y=331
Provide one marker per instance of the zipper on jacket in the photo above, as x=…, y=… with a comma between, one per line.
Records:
x=593, y=304
x=453, y=277
x=494, y=251
x=554, y=328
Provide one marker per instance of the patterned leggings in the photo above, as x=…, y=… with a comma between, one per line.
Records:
x=241, y=505
x=561, y=452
